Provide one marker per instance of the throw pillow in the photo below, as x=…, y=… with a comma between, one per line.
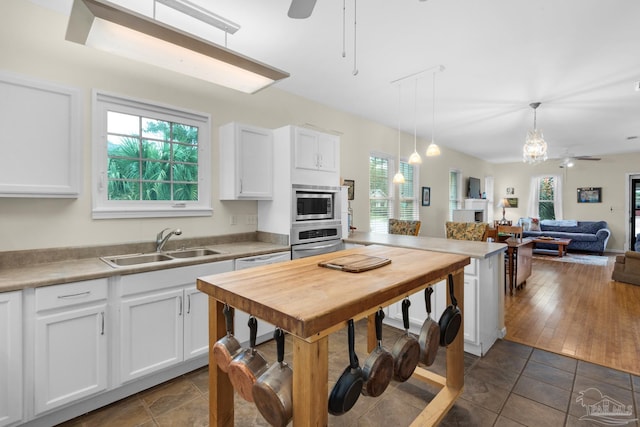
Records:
x=525, y=223
x=535, y=224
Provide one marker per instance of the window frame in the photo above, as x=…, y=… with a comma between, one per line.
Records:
x=102, y=208
x=394, y=197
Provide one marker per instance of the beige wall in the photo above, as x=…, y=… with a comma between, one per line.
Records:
x=32, y=43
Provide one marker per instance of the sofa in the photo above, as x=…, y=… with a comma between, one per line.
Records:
x=627, y=268
x=588, y=236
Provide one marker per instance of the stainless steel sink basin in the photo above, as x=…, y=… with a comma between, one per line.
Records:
x=125, y=260
x=192, y=253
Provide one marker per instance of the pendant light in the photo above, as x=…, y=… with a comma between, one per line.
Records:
x=535, y=148
x=415, y=158
x=398, y=178
x=433, y=150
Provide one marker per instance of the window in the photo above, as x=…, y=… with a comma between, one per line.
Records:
x=149, y=160
x=545, y=200
x=384, y=203
x=455, y=187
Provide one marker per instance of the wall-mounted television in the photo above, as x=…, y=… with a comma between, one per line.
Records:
x=474, y=191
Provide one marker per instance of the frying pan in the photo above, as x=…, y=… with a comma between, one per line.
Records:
x=406, y=350
x=228, y=347
x=346, y=391
x=378, y=368
x=272, y=391
x=248, y=365
x=429, y=334
x=451, y=319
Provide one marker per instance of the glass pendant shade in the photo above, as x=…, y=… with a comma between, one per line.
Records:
x=398, y=178
x=433, y=150
x=415, y=158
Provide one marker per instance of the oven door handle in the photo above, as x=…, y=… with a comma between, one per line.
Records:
x=315, y=248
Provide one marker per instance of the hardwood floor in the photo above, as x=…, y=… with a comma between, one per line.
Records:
x=578, y=311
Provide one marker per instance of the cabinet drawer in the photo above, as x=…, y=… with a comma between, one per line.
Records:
x=57, y=296
x=472, y=269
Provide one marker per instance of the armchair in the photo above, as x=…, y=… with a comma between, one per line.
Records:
x=627, y=268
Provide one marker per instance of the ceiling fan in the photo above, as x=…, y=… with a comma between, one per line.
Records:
x=569, y=161
x=301, y=9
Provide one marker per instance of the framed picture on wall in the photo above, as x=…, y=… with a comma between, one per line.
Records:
x=350, y=188
x=513, y=202
x=590, y=195
x=426, y=196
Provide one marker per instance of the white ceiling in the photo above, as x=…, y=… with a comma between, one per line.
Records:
x=579, y=58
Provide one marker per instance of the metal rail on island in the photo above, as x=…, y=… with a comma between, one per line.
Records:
x=311, y=302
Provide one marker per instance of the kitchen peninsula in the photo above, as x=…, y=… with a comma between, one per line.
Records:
x=483, y=286
x=311, y=302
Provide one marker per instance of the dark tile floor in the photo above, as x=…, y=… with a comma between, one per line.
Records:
x=513, y=385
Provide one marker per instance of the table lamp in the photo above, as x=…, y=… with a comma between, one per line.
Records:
x=504, y=203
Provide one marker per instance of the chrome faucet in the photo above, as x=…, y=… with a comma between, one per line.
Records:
x=161, y=240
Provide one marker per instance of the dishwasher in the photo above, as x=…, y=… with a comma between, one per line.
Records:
x=241, y=319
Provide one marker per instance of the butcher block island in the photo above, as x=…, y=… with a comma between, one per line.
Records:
x=310, y=302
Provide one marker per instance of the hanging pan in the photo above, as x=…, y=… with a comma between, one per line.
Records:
x=406, y=350
x=429, y=334
x=248, y=365
x=228, y=347
x=378, y=368
x=451, y=319
x=272, y=391
x=346, y=391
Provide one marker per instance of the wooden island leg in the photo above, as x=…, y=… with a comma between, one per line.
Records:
x=220, y=388
x=310, y=387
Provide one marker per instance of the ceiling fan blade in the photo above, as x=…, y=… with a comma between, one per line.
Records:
x=301, y=9
x=586, y=158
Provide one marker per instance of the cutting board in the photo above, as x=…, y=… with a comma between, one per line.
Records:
x=355, y=263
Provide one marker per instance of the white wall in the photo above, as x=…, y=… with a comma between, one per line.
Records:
x=32, y=44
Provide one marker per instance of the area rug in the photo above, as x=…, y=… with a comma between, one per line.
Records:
x=574, y=258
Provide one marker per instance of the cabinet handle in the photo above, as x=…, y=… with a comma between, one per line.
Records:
x=188, y=304
x=319, y=160
x=180, y=306
x=102, y=323
x=78, y=295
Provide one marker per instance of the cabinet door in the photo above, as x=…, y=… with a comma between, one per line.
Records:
x=328, y=153
x=196, y=323
x=306, y=154
x=10, y=357
x=151, y=333
x=255, y=163
x=70, y=356
x=470, y=315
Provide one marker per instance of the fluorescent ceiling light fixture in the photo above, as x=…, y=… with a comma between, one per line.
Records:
x=109, y=28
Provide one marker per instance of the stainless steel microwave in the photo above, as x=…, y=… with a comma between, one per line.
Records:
x=315, y=203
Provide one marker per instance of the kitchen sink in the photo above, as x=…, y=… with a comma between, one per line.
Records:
x=126, y=260
x=192, y=253
x=137, y=259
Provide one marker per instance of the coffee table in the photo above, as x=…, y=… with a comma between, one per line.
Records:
x=560, y=243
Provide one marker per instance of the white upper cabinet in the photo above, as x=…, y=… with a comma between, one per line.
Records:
x=315, y=150
x=41, y=138
x=246, y=162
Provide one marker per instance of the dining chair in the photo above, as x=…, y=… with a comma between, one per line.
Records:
x=476, y=231
x=512, y=230
x=404, y=226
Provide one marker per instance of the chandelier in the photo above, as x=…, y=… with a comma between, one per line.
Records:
x=535, y=149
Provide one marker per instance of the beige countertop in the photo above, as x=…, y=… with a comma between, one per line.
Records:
x=73, y=270
x=478, y=250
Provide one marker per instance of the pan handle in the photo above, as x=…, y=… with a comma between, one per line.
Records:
x=379, y=318
x=353, y=357
x=253, y=331
x=278, y=335
x=405, y=313
x=427, y=299
x=228, y=318
x=451, y=295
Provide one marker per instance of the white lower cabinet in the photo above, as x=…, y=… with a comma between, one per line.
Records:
x=482, y=287
x=10, y=357
x=71, y=357
x=163, y=318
